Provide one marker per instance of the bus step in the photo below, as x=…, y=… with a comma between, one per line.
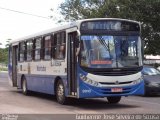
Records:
x=74, y=93
x=71, y=96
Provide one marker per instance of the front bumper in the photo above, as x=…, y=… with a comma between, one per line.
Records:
x=88, y=91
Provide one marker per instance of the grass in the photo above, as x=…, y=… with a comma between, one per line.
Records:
x=3, y=69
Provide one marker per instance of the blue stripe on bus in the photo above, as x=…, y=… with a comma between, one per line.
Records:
x=41, y=83
x=89, y=91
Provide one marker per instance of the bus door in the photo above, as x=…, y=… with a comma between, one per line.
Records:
x=14, y=65
x=72, y=64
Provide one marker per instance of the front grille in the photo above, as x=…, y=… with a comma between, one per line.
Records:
x=113, y=71
x=114, y=83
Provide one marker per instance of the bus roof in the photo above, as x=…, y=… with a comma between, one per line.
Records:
x=63, y=27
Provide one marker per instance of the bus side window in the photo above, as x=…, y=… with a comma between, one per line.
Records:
x=63, y=44
x=47, y=47
x=22, y=51
x=29, y=44
x=37, y=50
x=59, y=46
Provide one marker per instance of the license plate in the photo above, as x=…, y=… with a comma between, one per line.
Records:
x=116, y=90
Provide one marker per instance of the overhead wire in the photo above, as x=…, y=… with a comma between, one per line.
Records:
x=11, y=10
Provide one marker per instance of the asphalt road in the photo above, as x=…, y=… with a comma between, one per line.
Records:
x=12, y=101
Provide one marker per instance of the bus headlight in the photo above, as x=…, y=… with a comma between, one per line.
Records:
x=137, y=81
x=89, y=81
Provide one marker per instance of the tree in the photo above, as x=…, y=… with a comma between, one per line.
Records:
x=147, y=12
x=7, y=43
x=4, y=53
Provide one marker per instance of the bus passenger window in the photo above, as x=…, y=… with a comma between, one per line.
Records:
x=59, y=46
x=22, y=51
x=37, y=48
x=47, y=47
x=29, y=50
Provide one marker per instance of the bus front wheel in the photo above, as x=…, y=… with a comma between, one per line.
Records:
x=24, y=86
x=114, y=100
x=60, y=93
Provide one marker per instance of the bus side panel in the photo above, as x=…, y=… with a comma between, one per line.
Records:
x=40, y=83
x=10, y=74
x=10, y=66
x=41, y=75
x=19, y=76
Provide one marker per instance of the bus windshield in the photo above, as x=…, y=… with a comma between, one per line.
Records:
x=105, y=51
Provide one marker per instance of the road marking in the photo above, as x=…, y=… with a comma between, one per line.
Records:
x=142, y=101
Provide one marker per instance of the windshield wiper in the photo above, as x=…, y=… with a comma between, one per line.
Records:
x=106, y=46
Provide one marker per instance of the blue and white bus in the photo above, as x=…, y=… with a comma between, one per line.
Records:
x=90, y=58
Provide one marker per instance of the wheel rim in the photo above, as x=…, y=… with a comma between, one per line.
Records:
x=24, y=86
x=60, y=92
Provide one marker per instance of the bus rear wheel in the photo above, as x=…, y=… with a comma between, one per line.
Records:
x=114, y=100
x=60, y=93
x=24, y=86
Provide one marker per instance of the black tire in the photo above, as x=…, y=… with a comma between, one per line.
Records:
x=24, y=86
x=60, y=93
x=114, y=100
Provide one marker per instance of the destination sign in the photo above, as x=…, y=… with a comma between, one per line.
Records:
x=110, y=25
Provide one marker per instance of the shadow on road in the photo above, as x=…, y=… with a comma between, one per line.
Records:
x=97, y=104
x=39, y=95
x=94, y=104
x=151, y=96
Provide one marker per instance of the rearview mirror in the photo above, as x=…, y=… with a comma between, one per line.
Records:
x=77, y=39
x=78, y=33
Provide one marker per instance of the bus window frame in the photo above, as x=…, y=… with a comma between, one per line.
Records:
x=29, y=50
x=40, y=48
x=51, y=42
x=22, y=51
x=62, y=43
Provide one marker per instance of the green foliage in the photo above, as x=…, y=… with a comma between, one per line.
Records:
x=4, y=55
x=145, y=11
x=7, y=43
x=3, y=68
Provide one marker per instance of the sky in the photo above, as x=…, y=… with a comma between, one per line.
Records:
x=15, y=25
